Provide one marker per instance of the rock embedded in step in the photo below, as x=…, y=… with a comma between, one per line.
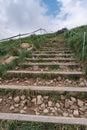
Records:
x=73, y=99
x=50, y=103
x=23, y=97
x=34, y=100
x=39, y=100
x=22, y=111
x=10, y=98
x=43, y=106
x=76, y=112
x=45, y=111
x=37, y=113
x=83, y=108
x=81, y=80
x=25, y=108
x=65, y=114
x=82, y=84
x=80, y=103
x=11, y=108
x=1, y=100
x=17, y=99
x=16, y=105
x=57, y=105
x=59, y=78
x=29, y=104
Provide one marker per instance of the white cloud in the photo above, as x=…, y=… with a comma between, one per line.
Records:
x=73, y=13
x=19, y=16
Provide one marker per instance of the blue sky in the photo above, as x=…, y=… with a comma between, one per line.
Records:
x=53, y=7
x=19, y=16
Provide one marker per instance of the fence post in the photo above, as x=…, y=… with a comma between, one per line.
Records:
x=20, y=38
x=83, y=49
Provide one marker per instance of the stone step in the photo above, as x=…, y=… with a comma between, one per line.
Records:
x=54, y=48
x=58, y=48
x=50, y=64
x=43, y=119
x=19, y=73
x=45, y=88
x=36, y=52
x=50, y=59
x=53, y=55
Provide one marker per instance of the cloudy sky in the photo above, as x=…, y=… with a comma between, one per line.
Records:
x=21, y=16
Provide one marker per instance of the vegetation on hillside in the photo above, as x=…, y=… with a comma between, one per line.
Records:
x=13, y=48
x=15, y=125
x=75, y=41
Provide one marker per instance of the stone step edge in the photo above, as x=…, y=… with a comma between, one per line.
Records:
x=54, y=63
x=43, y=119
x=45, y=88
x=59, y=59
x=53, y=51
x=33, y=54
x=45, y=72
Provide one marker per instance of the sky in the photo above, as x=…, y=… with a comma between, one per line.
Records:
x=22, y=16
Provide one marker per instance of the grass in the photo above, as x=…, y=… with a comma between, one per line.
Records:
x=13, y=48
x=75, y=41
x=16, y=125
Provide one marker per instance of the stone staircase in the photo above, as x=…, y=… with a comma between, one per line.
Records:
x=56, y=87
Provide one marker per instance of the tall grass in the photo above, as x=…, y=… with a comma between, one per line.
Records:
x=15, y=125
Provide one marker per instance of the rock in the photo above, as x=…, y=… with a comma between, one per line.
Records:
x=83, y=108
x=35, y=84
x=57, y=105
x=73, y=99
x=45, y=111
x=37, y=113
x=76, y=112
x=25, y=102
x=17, y=99
x=10, y=59
x=10, y=98
x=25, y=108
x=23, y=97
x=59, y=78
x=80, y=103
x=53, y=110
x=68, y=103
x=22, y=112
x=51, y=81
x=1, y=100
x=43, y=106
x=25, y=45
x=34, y=100
x=16, y=105
x=39, y=100
x=50, y=104
x=27, y=81
x=74, y=107
x=65, y=114
x=11, y=108
x=81, y=79
x=82, y=84
x=29, y=104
